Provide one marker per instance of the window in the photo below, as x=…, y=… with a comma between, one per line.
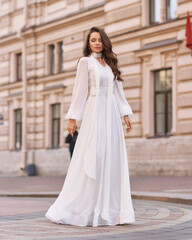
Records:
x=55, y=125
x=171, y=6
x=161, y=10
x=163, y=102
x=52, y=59
x=18, y=128
x=60, y=57
x=154, y=9
x=19, y=66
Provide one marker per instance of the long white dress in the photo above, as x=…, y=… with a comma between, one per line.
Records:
x=96, y=190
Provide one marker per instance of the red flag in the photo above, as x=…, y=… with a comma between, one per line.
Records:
x=188, y=32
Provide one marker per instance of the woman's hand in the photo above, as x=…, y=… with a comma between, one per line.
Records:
x=71, y=126
x=128, y=123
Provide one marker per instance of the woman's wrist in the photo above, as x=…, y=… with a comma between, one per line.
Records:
x=126, y=116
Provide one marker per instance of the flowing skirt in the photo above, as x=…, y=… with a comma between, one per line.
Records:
x=80, y=201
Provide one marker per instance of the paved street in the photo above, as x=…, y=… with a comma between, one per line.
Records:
x=22, y=216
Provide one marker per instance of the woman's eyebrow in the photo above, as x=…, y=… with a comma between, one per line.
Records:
x=95, y=38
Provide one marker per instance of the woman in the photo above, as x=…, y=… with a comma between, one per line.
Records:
x=96, y=190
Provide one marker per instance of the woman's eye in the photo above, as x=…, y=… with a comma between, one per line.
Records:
x=93, y=40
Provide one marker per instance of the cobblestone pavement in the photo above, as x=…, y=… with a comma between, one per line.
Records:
x=23, y=218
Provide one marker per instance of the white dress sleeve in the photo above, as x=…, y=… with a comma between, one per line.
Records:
x=123, y=105
x=80, y=91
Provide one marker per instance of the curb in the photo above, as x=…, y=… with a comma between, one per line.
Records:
x=154, y=196
x=178, y=200
x=30, y=194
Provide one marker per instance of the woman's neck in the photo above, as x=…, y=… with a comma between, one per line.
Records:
x=97, y=55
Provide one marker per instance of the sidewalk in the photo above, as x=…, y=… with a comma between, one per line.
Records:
x=160, y=188
x=25, y=200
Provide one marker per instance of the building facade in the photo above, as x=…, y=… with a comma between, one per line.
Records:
x=40, y=44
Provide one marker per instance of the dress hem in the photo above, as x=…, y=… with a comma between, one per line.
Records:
x=94, y=219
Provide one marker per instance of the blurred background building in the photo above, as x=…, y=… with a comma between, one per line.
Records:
x=40, y=44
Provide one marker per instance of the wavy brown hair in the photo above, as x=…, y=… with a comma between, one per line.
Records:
x=108, y=55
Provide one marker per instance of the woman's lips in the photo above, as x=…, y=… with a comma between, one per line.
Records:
x=97, y=47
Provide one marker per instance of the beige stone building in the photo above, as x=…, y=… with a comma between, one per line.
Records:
x=40, y=43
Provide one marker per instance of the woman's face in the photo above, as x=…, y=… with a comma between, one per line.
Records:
x=95, y=42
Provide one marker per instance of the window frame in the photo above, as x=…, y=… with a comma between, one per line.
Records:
x=57, y=119
x=150, y=13
x=54, y=57
x=51, y=50
x=18, y=66
x=18, y=123
x=166, y=11
x=165, y=92
x=60, y=56
x=163, y=11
